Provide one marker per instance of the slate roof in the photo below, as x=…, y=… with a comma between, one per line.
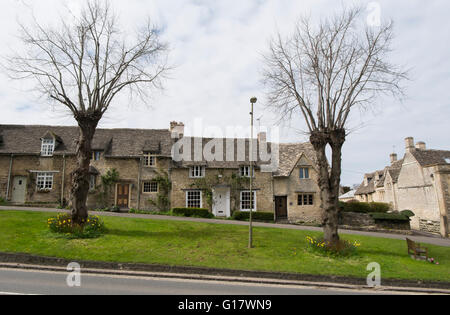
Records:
x=290, y=154
x=26, y=140
x=431, y=157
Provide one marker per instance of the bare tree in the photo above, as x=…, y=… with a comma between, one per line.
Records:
x=83, y=65
x=324, y=73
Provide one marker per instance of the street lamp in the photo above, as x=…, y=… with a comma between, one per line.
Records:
x=253, y=101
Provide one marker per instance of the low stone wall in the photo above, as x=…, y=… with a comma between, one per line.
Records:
x=430, y=226
x=362, y=220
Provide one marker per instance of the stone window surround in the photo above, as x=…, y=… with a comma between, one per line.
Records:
x=254, y=200
x=148, y=187
x=244, y=171
x=149, y=160
x=304, y=172
x=301, y=199
x=191, y=198
x=197, y=171
x=44, y=181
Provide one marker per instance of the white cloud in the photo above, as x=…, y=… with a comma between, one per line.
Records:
x=216, y=46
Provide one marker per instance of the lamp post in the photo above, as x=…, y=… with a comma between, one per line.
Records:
x=253, y=101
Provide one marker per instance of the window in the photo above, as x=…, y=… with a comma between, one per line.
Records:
x=150, y=187
x=304, y=173
x=246, y=204
x=149, y=160
x=47, y=147
x=245, y=171
x=197, y=171
x=96, y=155
x=92, y=182
x=44, y=181
x=305, y=200
x=194, y=199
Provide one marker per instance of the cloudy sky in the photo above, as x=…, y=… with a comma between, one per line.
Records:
x=217, y=45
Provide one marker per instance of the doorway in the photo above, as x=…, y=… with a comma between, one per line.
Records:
x=19, y=190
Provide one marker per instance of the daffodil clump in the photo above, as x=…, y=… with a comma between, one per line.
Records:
x=93, y=227
x=342, y=248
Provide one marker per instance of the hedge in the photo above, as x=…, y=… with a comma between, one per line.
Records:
x=257, y=216
x=193, y=212
x=364, y=207
x=389, y=217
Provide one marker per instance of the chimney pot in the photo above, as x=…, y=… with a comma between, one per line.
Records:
x=421, y=146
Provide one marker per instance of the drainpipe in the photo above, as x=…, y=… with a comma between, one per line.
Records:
x=139, y=185
x=9, y=177
x=63, y=180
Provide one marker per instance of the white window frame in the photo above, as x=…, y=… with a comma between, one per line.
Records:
x=47, y=147
x=197, y=171
x=242, y=201
x=303, y=173
x=150, y=191
x=244, y=171
x=149, y=160
x=46, y=179
x=187, y=198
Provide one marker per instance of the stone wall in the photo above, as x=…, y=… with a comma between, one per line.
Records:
x=181, y=182
x=363, y=220
x=430, y=226
x=293, y=186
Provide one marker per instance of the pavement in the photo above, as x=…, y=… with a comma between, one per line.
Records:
x=51, y=281
x=423, y=239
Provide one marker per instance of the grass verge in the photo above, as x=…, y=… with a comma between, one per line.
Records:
x=173, y=243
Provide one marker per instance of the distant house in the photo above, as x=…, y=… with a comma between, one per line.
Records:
x=350, y=196
x=36, y=163
x=419, y=182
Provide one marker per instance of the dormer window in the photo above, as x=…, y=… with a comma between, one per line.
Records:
x=47, y=147
x=304, y=173
x=149, y=160
x=96, y=155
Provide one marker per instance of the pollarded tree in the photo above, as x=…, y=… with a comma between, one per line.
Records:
x=323, y=73
x=84, y=65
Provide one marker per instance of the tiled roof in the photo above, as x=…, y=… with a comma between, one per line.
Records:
x=431, y=157
x=289, y=155
x=115, y=142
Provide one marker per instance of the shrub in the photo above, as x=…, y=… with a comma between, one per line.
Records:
x=2, y=201
x=408, y=213
x=63, y=224
x=342, y=248
x=257, y=216
x=364, y=207
x=193, y=212
x=394, y=217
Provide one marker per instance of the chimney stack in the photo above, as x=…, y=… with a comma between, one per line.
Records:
x=421, y=146
x=394, y=158
x=177, y=129
x=409, y=142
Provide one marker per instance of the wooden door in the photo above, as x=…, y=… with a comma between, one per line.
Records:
x=123, y=195
x=281, y=207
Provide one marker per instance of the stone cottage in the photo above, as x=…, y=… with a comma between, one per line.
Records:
x=419, y=182
x=36, y=163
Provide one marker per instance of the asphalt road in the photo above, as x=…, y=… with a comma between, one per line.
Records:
x=13, y=282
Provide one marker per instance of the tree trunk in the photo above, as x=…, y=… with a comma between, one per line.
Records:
x=80, y=177
x=329, y=179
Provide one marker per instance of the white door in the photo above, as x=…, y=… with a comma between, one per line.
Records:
x=221, y=202
x=19, y=189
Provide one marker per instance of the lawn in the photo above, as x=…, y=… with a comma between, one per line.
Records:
x=217, y=246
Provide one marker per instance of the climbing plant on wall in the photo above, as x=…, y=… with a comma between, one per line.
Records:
x=162, y=200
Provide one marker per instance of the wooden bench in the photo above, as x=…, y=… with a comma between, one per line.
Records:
x=416, y=251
